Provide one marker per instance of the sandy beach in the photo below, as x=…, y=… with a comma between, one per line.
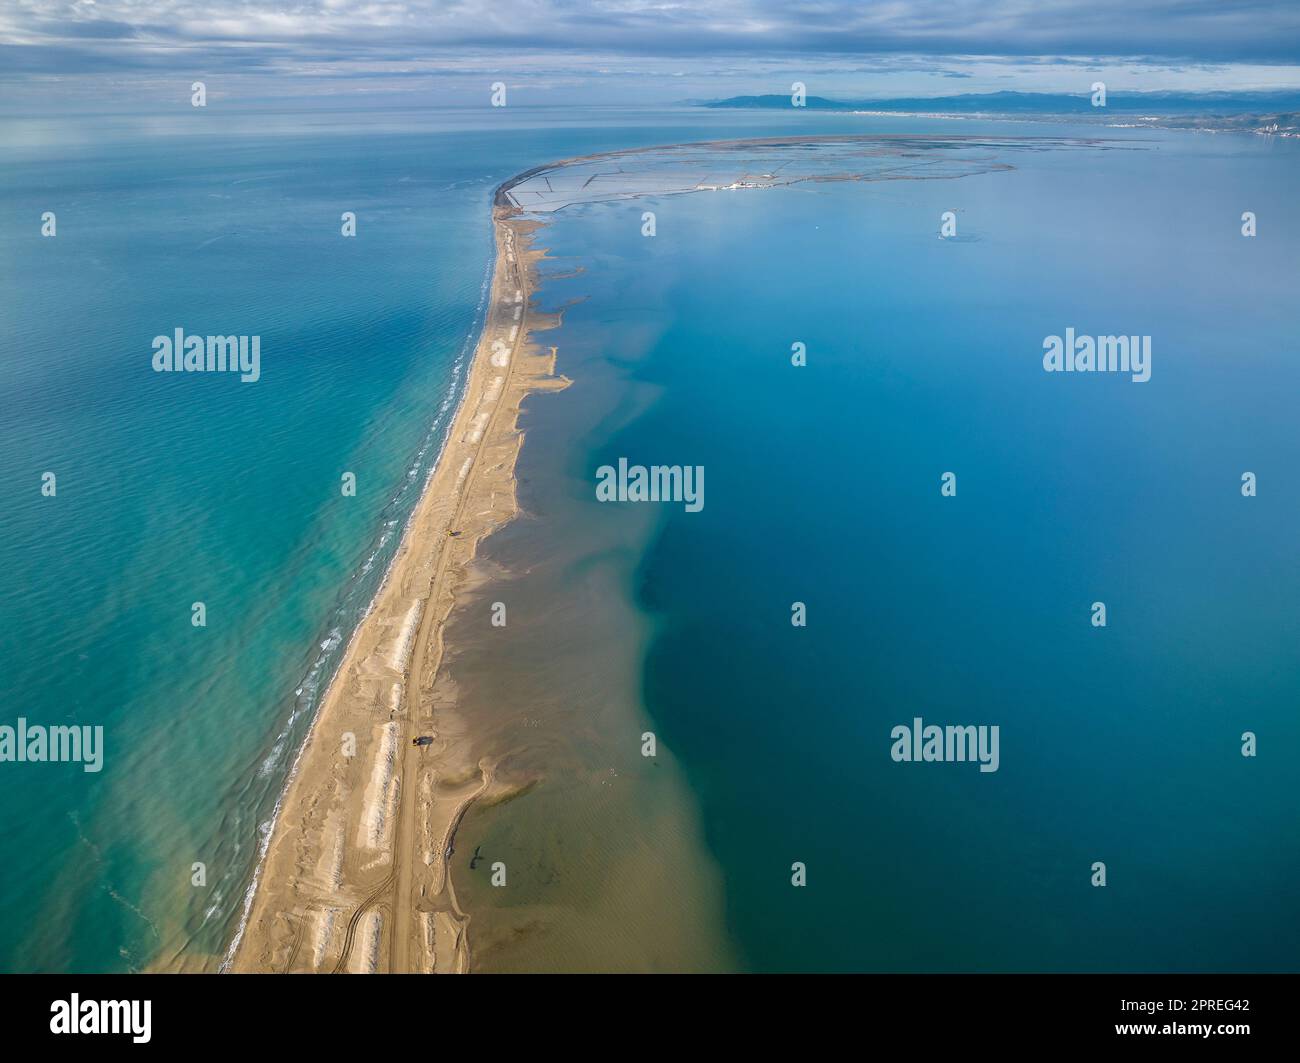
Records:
x=355, y=873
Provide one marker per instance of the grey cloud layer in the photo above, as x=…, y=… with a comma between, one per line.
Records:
x=71, y=35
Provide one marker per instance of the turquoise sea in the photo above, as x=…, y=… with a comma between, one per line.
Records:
x=1120, y=745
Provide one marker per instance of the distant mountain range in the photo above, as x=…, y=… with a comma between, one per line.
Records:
x=1029, y=103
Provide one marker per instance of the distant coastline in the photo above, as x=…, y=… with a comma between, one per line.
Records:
x=1270, y=113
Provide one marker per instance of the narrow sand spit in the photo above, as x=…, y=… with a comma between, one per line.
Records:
x=355, y=873
x=357, y=860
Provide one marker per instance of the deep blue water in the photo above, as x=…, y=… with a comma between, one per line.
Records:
x=1120, y=745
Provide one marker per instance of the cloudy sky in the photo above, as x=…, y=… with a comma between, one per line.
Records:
x=700, y=47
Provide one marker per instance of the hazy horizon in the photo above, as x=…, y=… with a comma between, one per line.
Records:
x=116, y=55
